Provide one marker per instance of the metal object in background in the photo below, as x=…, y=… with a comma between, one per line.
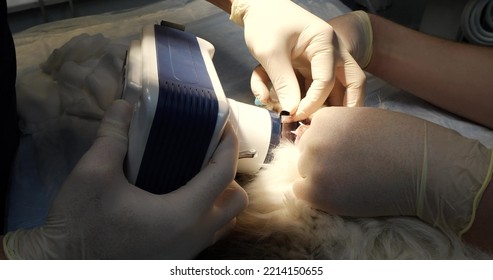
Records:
x=477, y=22
x=459, y=20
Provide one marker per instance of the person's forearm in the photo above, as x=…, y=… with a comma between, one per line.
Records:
x=454, y=76
x=225, y=5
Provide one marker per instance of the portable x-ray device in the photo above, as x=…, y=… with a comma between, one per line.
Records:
x=180, y=111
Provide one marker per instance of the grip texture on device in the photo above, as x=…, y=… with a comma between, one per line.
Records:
x=185, y=116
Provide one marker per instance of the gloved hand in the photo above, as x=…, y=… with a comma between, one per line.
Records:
x=366, y=162
x=283, y=37
x=99, y=214
x=355, y=31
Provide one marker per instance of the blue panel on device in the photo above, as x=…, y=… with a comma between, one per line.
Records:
x=185, y=117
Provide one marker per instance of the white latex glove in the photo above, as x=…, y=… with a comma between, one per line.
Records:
x=283, y=37
x=99, y=214
x=356, y=34
x=366, y=162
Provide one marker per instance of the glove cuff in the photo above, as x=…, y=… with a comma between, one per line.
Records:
x=451, y=185
x=32, y=244
x=10, y=245
x=368, y=33
x=488, y=183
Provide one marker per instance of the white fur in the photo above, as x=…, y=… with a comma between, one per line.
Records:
x=276, y=225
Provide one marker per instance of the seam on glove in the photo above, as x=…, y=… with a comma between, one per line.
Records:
x=487, y=182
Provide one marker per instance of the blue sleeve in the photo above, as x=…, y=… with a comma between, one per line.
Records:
x=8, y=111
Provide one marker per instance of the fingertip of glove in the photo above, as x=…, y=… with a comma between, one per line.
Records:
x=119, y=110
x=116, y=121
x=288, y=105
x=233, y=195
x=122, y=104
